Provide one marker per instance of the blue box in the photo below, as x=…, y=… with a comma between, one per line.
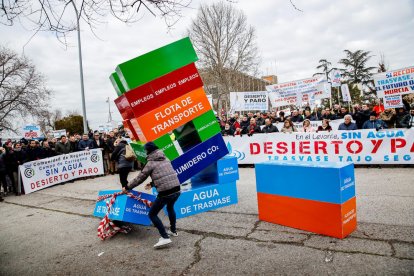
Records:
x=203, y=198
x=332, y=182
x=223, y=171
x=125, y=208
x=199, y=157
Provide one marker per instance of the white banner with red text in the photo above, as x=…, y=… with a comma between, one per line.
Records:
x=392, y=146
x=393, y=83
x=43, y=173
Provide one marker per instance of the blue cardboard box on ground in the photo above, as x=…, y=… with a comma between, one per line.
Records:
x=223, y=171
x=202, y=198
x=125, y=208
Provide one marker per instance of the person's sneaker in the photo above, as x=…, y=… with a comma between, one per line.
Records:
x=172, y=234
x=162, y=243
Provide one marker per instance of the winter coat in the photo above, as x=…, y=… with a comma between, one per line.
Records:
x=296, y=119
x=119, y=156
x=101, y=144
x=228, y=132
x=351, y=126
x=388, y=117
x=82, y=144
x=376, y=124
x=406, y=121
x=61, y=148
x=269, y=129
x=289, y=129
x=34, y=153
x=2, y=162
x=162, y=174
x=361, y=117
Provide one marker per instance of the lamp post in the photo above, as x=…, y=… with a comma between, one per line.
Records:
x=85, y=126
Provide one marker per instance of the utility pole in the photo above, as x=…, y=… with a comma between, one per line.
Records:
x=85, y=124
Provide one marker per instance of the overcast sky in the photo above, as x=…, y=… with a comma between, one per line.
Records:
x=290, y=43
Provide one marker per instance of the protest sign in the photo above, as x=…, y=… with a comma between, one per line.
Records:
x=43, y=173
x=397, y=82
x=335, y=78
x=58, y=133
x=242, y=101
x=31, y=132
x=299, y=91
x=393, y=146
x=394, y=101
x=346, y=96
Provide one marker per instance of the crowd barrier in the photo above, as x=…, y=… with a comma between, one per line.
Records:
x=392, y=146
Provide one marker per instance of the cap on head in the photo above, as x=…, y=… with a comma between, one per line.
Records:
x=150, y=147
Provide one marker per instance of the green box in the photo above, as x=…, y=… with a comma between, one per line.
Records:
x=157, y=63
x=117, y=84
x=140, y=153
x=206, y=125
x=167, y=146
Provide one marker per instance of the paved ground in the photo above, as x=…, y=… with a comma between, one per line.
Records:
x=52, y=232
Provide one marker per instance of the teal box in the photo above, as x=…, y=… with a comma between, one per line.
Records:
x=223, y=171
x=332, y=182
x=125, y=208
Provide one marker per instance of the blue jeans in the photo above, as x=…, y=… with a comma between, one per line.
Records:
x=159, y=203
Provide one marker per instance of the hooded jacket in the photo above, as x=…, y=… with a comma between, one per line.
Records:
x=162, y=174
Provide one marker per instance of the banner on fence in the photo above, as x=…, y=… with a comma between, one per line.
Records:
x=397, y=82
x=393, y=146
x=393, y=101
x=299, y=91
x=242, y=101
x=43, y=173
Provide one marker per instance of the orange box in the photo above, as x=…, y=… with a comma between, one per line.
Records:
x=173, y=114
x=335, y=220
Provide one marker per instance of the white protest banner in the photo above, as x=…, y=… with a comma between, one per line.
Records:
x=346, y=96
x=43, y=173
x=31, y=131
x=397, y=82
x=335, y=78
x=242, y=101
x=394, y=101
x=288, y=93
x=392, y=146
x=58, y=133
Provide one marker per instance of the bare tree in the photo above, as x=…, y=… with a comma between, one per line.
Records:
x=22, y=89
x=225, y=44
x=47, y=118
x=58, y=16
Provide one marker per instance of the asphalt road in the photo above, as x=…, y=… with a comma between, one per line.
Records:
x=53, y=232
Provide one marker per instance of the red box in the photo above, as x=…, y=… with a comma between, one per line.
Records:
x=335, y=220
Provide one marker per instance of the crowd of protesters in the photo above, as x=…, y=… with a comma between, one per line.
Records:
x=15, y=153
x=364, y=117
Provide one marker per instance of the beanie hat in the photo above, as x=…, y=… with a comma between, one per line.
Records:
x=150, y=147
x=373, y=113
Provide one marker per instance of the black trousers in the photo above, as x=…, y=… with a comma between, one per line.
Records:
x=123, y=176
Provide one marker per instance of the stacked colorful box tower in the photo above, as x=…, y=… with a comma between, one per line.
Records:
x=161, y=99
x=316, y=197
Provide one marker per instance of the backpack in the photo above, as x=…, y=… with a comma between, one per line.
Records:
x=129, y=153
